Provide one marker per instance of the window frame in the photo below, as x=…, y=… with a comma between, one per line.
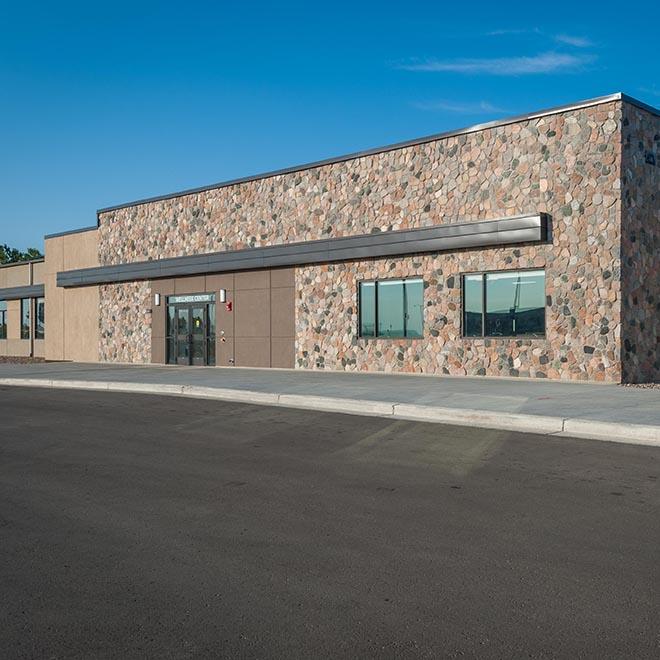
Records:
x=375, y=282
x=3, y=320
x=26, y=336
x=484, y=298
x=37, y=335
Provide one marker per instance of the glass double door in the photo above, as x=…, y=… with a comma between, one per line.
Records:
x=191, y=334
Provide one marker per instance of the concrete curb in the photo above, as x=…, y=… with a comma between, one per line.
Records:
x=224, y=394
x=633, y=434
x=336, y=404
x=564, y=427
x=481, y=418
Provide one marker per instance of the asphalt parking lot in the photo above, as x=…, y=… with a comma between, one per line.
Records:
x=143, y=526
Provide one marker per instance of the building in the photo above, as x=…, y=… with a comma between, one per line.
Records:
x=524, y=247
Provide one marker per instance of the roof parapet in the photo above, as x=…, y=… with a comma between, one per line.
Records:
x=618, y=96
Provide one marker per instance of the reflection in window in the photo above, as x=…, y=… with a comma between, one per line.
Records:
x=3, y=319
x=414, y=290
x=190, y=333
x=182, y=320
x=473, y=305
x=368, y=309
x=515, y=304
x=40, y=321
x=171, y=334
x=392, y=308
x=25, y=318
x=211, y=334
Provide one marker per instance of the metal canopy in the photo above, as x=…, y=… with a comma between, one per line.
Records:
x=487, y=233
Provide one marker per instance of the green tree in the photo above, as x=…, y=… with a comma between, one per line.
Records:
x=10, y=255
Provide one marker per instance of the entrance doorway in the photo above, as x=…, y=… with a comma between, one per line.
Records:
x=191, y=329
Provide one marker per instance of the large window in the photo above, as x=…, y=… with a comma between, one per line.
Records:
x=40, y=320
x=3, y=319
x=25, y=318
x=392, y=308
x=505, y=304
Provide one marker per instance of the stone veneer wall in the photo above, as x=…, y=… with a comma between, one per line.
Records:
x=640, y=246
x=125, y=322
x=571, y=171
x=566, y=164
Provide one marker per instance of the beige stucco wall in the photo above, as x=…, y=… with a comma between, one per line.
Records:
x=14, y=345
x=18, y=275
x=13, y=319
x=13, y=276
x=38, y=271
x=72, y=315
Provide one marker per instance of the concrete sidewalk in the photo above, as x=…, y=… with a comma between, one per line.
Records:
x=604, y=412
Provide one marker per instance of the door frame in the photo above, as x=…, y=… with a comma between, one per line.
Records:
x=188, y=303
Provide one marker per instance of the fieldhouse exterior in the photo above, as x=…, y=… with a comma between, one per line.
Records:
x=525, y=247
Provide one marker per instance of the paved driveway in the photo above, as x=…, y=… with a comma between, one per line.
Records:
x=135, y=526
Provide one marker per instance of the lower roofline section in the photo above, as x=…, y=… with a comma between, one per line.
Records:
x=17, y=292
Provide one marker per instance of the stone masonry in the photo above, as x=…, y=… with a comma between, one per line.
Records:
x=566, y=164
x=121, y=340
x=640, y=246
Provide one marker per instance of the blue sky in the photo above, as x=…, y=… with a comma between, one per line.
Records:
x=103, y=103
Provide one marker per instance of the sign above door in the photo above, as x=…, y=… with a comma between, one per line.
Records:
x=192, y=298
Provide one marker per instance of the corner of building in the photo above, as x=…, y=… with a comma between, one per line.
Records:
x=640, y=244
x=73, y=314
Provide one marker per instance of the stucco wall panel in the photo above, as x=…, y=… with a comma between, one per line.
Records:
x=81, y=323
x=72, y=315
x=14, y=320
x=18, y=275
x=54, y=262
x=38, y=272
x=80, y=250
x=18, y=347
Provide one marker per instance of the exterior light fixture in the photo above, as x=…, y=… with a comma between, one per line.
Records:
x=157, y=299
x=223, y=295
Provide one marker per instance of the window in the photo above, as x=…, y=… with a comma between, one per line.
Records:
x=3, y=319
x=505, y=304
x=25, y=318
x=40, y=313
x=392, y=308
